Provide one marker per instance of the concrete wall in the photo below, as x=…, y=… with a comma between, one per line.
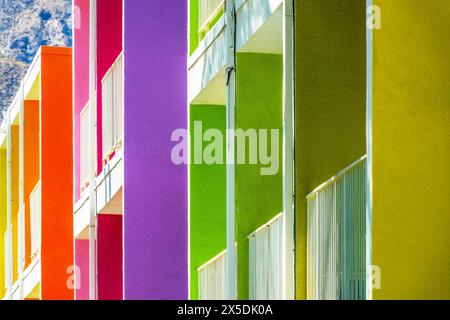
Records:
x=207, y=197
x=259, y=106
x=81, y=78
x=155, y=194
x=411, y=150
x=330, y=101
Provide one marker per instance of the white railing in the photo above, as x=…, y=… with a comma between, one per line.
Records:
x=20, y=241
x=7, y=253
x=84, y=147
x=35, y=220
x=265, y=269
x=212, y=279
x=208, y=11
x=336, y=236
x=112, y=99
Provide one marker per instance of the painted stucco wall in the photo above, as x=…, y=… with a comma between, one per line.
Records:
x=56, y=173
x=31, y=165
x=81, y=77
x=15, y=164
x=155, y=194
x=259, y=106
x=82, y=269
x=193, y=25
x=3, y=213
x=330, y=101
x=109, y=46
x=207, y=197
x=109, y=257
x=411, y=149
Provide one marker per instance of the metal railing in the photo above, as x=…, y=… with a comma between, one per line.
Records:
x=212, y=278
x=265, y=263
x=7, y=253
x=35, y=220
x=336, y=235
x=112, y=99
x=84, y=147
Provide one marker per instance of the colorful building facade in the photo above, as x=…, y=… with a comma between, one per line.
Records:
x=36, y=153
x=247, y=149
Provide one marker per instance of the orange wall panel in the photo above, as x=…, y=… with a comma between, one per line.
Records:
x=31, y=165
x=56, y=173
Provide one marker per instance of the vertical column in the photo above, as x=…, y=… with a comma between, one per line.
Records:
x=155, y=189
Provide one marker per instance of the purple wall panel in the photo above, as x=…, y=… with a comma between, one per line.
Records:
x=155, y=196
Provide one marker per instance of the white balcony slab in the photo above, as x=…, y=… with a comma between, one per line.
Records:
x=259, y=29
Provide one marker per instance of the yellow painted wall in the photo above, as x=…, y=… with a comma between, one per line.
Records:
x=3, y=212
x=411, y=149
x=15, y=145
x=330, y=101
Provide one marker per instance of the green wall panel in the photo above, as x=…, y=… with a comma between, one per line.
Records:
x=259, y=106
x=207, y=198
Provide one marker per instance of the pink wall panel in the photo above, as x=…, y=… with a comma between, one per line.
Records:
x=82, y=270
x=109, y=250
x=81, y=75
x=109, y=46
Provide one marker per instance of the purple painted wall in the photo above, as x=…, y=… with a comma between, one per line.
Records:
x=155, y=198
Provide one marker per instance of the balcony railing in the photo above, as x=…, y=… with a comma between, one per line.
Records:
x=112, y=97
x=336, y=228
x=212, y=279
x=35, y=220
x=7, y=253
x=208, y=13
x=84, y=147
x=266, y=247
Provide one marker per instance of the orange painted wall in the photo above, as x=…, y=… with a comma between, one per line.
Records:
x=31, y=165
x=56, y=173
x=15, y=145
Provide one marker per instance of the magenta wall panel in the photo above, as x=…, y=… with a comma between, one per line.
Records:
x=109, y=255
x=109, y=46
x=82, y=270
x=81, y=76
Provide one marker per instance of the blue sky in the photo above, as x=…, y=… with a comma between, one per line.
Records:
x=24, y=26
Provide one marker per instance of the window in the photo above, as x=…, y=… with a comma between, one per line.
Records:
x=266, y=274
x=212, y=279
x=336, y=250
x=112, y=97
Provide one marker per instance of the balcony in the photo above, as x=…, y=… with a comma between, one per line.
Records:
x=7, y=252
x=84, y=148
x=336, y=250
x=266, y=274
x=209, y=11
x=112, y=109
x=212, y=278
x=35, y=221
